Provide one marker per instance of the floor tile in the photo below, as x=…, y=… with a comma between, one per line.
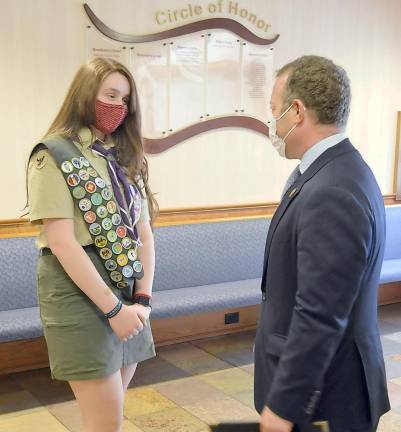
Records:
x=45, y=389
x=188, y=391
x=128, y=426
x=229, y=381
x=213, y=411
x=171, y=420
x=40, y=421
x=387, y=327
x=390, y=347
x=393, y=369
x=156, y=370
x=68, y=414
x=245, y=397
x=394, y=391
x=18, y=403
x=145, y=400
x=241, y=357
x=390, y=422
x=192, y=359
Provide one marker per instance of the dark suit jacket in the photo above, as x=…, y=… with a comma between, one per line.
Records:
x=318, y=354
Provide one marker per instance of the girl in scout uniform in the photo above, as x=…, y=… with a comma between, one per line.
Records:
x=95, y=211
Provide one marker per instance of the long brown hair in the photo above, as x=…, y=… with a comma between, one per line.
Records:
x=78, y=111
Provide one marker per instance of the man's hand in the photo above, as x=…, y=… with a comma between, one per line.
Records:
x=270, y=422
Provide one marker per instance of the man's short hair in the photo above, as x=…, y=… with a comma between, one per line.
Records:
x=321, y=85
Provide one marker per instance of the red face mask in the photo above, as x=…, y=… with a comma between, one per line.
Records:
x=109, y=116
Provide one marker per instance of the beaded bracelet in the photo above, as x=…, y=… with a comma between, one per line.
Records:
x=114, y=311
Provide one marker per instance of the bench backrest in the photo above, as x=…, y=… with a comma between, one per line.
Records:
x=393, y=236
x=186, y=255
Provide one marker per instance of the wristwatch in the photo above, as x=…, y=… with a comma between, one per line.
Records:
x=143, y=300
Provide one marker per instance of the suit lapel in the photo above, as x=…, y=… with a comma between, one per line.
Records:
x=330, y=154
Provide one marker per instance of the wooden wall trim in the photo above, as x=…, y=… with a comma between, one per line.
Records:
x=184, y=216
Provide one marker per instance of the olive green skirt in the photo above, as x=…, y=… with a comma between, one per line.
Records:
x=79, y=338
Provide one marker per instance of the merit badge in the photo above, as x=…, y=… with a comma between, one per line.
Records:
x=90, y=186
x=92, y=172
x=117, y=248
x=111, y=236
x=73, y=179
x=126, y=242
x=132, y=255
x=105, y=253
x=77, y=163
x=110, y=265
x=85, y=204
x=111, y=207
x=84, y=162
x=83, y=174
x=116, y=276
x=122, y=285
x=116, y=219
x=96, y=199
x=78, y=192
x=106, y=224
x=102, y=211
x=100, y=182
x=137, y=266
x=100, y=241
x=127, y=271
x=122, y=260
x=107, y=194
x=95, y=229
x=90, y=217
x=121, y=231
x=67, y=167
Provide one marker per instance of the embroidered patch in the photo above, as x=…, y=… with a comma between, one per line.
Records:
x=41, y=161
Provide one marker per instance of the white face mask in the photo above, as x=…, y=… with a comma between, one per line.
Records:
x=277, y=142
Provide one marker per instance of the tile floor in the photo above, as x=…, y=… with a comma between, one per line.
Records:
x=184, y=389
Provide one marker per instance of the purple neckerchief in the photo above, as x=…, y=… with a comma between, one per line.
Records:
x=130, y=215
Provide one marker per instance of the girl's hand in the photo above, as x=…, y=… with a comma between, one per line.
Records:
x=127, y=323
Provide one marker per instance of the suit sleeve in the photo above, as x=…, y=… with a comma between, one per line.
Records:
x=334, y=234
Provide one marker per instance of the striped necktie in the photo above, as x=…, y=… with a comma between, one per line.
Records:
x=291, y=180
x=129, y=203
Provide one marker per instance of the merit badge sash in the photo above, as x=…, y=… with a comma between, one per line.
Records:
x=96, y=201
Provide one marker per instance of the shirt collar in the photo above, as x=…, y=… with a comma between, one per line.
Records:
x=318, y=149
x=86, y=138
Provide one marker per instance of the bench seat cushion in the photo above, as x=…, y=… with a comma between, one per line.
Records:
x=20, y=324
x=207, y=298
x=391, y=271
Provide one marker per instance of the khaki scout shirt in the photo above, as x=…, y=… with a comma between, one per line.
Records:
x=49, y=196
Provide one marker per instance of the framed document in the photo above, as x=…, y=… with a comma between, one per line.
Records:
x=187, y=72
x=97, y=45
x=223, y=85
x=149, y=66
x=257, y=80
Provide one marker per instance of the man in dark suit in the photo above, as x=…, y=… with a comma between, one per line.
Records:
x=318, y=357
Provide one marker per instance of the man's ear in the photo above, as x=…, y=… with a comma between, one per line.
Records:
x=299, y=109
